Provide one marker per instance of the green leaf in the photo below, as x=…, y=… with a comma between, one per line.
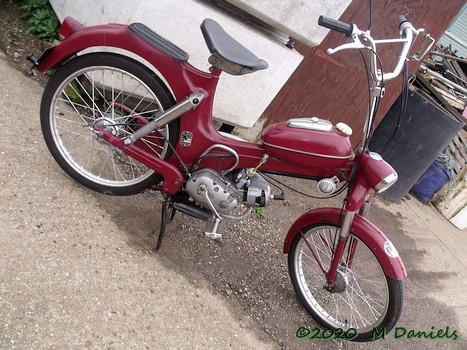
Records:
x=42, y=19
x=72, y=91
x=260, y=213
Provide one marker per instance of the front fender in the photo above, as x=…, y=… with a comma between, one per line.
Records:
x=363, y=229
x=181, y=76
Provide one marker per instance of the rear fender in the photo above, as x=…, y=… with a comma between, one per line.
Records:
x=363, y=229
x=181, y=76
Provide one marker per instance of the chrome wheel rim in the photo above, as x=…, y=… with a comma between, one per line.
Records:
x=107, y=98
x=364, y=302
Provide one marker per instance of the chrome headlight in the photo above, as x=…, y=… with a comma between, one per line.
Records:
x=387, y=182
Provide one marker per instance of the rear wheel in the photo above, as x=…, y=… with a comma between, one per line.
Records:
x=104, y=90
x=365, y=299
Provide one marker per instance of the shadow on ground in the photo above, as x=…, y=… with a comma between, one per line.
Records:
x=250, y=270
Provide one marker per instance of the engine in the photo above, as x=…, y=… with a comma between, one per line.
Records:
x=225, y=194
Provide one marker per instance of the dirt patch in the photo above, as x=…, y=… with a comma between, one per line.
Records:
x=14, y=40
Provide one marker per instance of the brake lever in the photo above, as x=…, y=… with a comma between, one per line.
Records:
x=347, y=46
x=355, y=44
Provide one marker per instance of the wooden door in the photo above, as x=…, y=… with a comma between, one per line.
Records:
x=335, y=87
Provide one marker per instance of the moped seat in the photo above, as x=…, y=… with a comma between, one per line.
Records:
x=228, y=54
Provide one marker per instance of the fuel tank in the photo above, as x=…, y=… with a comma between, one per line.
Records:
x=309, y=141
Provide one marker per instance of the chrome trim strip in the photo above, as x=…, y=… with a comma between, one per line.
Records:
x=386, y=183
x=306, y=153
x=310, y=124
x=346, y=225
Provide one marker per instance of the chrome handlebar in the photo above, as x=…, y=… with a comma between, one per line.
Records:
x=363, y=40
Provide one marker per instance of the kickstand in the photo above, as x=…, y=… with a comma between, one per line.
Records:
x=168, y=213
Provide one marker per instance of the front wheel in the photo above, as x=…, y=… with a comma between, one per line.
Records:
x=112, y=92
x=367, y=302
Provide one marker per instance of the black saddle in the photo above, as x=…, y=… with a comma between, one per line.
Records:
x=228, y=54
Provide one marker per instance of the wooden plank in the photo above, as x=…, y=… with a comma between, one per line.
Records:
x=451, y=99
x=458, y=157
x=462, y=139
x=460, y=148
x=458, y=71
x=431, y=89
x=459, y=59
x=457, y=151
x=457, y=167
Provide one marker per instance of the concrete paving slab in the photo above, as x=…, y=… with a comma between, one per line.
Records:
x=68, y=278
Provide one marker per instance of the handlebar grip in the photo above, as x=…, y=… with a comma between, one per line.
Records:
x=402, y=19
x=336, y=25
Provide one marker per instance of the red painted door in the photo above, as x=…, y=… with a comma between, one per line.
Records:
x=335, y=87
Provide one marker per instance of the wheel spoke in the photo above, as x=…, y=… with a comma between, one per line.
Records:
x=363, y=301
x=73, y=105
x=94, y=105
x=99, y=96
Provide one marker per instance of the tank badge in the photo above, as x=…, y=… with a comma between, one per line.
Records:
x=186, y=138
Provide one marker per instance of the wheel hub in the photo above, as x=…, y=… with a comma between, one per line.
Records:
x=340, y=284
x=108, y=124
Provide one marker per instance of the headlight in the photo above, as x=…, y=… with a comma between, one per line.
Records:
x=387, y=182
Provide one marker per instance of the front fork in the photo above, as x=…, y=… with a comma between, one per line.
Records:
x=344, y=233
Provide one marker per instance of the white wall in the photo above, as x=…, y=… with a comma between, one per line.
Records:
x=297, y=18
x=240, y=100
x=456, y=35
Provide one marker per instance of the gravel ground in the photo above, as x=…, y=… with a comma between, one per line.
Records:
x=247, y=269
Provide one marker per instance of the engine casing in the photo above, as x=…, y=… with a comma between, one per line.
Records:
x=257, y=192
x=207, y=187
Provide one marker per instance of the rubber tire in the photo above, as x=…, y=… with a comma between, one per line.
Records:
x=140, y=71
x=395, y=289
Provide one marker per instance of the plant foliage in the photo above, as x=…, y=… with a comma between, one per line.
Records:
x=260, y=213
x=43, y=22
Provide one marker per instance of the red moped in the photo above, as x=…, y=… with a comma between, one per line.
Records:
x=120, y=126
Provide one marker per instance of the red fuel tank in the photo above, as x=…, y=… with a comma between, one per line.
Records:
x=311, y=141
